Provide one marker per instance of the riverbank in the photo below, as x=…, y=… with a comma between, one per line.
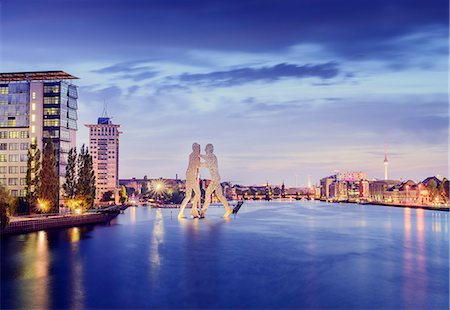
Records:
x=395, y=205
x=20, y=225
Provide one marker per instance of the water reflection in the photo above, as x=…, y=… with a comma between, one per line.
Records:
x=74, y=234
x=36, y=268
x=420, y=253
x=132, y=215
x=76, y=269
x=408, y=271
x=439, y=222
x=157, y=239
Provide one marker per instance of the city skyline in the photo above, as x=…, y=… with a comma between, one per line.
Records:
x=287, y=98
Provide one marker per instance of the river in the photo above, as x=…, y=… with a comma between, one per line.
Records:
x=272, y=255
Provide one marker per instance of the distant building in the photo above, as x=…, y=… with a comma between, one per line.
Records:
x=35, y=108
x=351, y=176
x=325, y=184
x=104, y=146
x=377, y=189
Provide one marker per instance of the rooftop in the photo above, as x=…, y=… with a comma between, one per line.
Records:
x=35, y=76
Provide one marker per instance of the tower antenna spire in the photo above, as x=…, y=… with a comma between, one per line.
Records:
x=385, y=162
x=105, y=109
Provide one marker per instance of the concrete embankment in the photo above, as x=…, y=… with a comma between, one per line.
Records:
x=30, y=224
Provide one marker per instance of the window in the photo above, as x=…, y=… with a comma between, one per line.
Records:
x=51, y=100
x=2, y=169
x=51, y=111
x=3, y=146
x=24, y=134
x=13, y=169
x=13, y=181
x=3, y=134
x=51, y=122
x=14, y=193
x=23, y=192
x=23, y=181
x=33, y=117
x=13, y=158
x=13, y=146
x=2, y=158
x=23, y=169
x=14, y=135
x=23, y=157
x=73, y=92
x=3, y=90
x=33, y=95
x=2, y=181
x=51, y=134
x=24, y=146
x=33, y=106
x=51, y=89
x=11, y=122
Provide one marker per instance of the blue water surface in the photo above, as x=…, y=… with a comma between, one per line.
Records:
x=272, y=255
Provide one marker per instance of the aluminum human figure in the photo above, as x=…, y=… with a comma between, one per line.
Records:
x=192, y=182
x=210, y=162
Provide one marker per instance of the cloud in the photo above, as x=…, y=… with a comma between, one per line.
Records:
x=246, y=75
x=140, y=76
x=352, y=28
x=129, y=70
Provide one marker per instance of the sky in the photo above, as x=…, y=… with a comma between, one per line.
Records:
x=283, y=89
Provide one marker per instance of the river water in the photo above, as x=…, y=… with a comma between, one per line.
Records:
x=272, y=255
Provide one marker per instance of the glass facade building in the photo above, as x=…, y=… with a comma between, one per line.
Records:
x=35, y=108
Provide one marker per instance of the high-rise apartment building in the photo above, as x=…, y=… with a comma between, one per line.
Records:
x=35, y=107
x=104, y=147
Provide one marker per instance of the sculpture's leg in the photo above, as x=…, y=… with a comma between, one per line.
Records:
x=185, y=202
x=195, y=201
x=208, y=194
x=224, y=201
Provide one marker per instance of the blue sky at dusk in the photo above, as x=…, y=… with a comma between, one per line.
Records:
x=283, y=89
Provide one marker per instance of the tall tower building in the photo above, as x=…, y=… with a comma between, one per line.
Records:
x=386, y=163
x=35, y=108
x=104, y=146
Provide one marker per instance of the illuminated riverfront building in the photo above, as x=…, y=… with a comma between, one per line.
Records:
x=104, y=146
x=35, y=107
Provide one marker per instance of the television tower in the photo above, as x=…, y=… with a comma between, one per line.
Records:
x=386, y=163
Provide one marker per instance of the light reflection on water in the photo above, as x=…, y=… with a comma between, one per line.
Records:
x=41, y=266
x=316, y=255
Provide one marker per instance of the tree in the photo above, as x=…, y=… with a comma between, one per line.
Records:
x=176, y=196
x=432, y=189
x=85, y=186
x=123, y=198
x=445, y=192
x=5, y=206
x=70, y=185
x=32, y=176
x=144, y=188
x=48, y=189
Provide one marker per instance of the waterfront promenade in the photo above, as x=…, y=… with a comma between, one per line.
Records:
x=25, y=224
x=304, y=254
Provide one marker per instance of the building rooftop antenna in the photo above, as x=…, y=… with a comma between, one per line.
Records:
x=105, y=109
